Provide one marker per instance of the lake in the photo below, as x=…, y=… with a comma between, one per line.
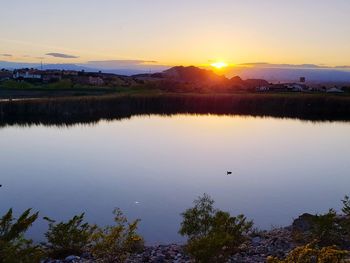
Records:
x=153, y=167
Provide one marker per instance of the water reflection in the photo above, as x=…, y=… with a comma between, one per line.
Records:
x=152, y=167
x=86, y=110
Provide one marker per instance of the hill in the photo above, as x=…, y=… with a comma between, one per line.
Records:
x=194, y=79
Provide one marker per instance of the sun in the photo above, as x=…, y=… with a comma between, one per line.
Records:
x=219, y=65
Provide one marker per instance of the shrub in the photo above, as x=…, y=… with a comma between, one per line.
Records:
x=346, y=205
x=62, y=84
x=326, y=229
x=68, y=238
x=116, y=243
x=13, y=246
x=212, y=234
x=310, y=253
x=12, y=84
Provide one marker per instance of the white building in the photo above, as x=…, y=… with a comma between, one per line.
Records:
x=296, y=87
x=334, y=90
x=27, y=74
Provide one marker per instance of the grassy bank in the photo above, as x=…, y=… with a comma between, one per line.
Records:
x=94, y=108
x=86, y=109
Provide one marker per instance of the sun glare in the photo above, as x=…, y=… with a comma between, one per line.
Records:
x=219, y=65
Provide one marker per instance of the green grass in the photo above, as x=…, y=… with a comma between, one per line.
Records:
x=11, y=84
x=67, y=85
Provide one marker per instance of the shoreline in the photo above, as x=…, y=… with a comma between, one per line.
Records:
x=276, y=242
x=91, y=109
x=260, y=245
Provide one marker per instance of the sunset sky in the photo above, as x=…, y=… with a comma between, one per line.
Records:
x=169, y=32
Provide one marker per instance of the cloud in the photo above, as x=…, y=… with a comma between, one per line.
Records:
x=61, y=55
x=291, y=66
x=127, y=65
x=6, y=55
x=342, y=67
x=121, y=62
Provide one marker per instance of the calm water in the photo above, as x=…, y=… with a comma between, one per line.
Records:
x=153, y=167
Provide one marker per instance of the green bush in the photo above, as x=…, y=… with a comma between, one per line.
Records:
x=324, y=230
x=116, y=243
x=328, y=229
x=68, y=238
x=62, y=84
x=14, y=248
x=213, y=235
x=12, y=84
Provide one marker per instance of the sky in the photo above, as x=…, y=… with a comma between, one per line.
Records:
x=181, y=32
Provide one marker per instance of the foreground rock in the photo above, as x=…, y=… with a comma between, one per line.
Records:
x=162, y=253
x=154, y=254
x=277, y=242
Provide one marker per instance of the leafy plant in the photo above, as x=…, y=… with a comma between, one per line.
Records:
x=346, y=205
x=14, y=248
x=115, y=243
x=311, y=253
x=69, y=238
x=326, y=229
x=212, y=234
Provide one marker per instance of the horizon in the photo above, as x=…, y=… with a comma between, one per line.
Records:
x=271, y=72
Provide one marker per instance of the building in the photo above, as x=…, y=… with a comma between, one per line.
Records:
x=30, y=74
x=96, y=81
x=49, y=76
x=69, y=73
x=296, y=87
x=334, y=90
x=88, y=79
x=263, y=89
x=278, y=88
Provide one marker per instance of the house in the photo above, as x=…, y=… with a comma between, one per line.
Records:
x=95, y=81
x=69, y=73
x=51, y=76
x=296, y=87
x=263, y=89
x=88, y=79
x=30, y=74
x=334, y=90
x=278, y=88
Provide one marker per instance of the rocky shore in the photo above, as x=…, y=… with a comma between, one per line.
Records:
x=276, y=242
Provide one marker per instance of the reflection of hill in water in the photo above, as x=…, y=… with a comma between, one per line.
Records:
x=69, y=111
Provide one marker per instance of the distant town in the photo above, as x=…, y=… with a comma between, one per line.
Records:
x=176, y=79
